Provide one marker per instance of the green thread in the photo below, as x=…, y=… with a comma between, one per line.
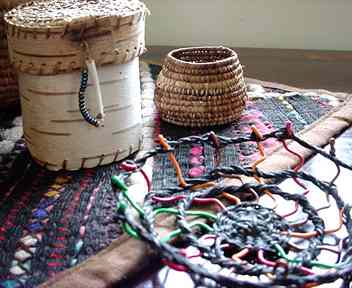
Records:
x=130, y=231
x=122, y=206
x=189, y=213
x=318, y=264
x=177, y=232
x=120, y=184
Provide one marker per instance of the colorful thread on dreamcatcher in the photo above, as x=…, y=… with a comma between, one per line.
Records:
x=269, y=245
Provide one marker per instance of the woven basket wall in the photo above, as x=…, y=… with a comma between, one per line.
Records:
x=49, y=51
x=8, y=79
x=201, y=86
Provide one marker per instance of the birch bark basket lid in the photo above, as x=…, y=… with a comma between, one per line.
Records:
x=201, y=86
x=78, y=73
x=8, y=79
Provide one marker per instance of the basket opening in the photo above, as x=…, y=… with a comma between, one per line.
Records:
x=203, y=55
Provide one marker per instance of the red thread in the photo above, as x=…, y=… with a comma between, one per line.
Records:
x=149, y=184
x=179, y=267
x=298, y=166
x=168, y=199
x=56, y=256
x=289, y=129
x=203, y=201
x=264, y=261
x=129, y=167
x=292, y=212
x=174, y=266
x=54, y=264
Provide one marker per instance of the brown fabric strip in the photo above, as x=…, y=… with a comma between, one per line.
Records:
x=126, y=256
x=121, y=259
x=340, y=95
x=318, y=134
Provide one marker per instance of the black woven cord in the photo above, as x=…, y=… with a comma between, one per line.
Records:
x=245, y=225
x=82, y=100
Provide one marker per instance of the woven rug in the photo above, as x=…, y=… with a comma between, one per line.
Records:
x=50, y=222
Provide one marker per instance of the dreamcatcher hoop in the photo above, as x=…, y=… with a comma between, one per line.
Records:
x=234, y=233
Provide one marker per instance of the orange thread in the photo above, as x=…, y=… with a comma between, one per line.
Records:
x=300, y=223
x=256, y=163
x=270, y=276
x=231, y=198
x=202, y=186
x=173, y=160
x=242, y=182
x=310, y=285
x=308, y=235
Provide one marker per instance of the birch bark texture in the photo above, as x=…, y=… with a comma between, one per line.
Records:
x=50, y=43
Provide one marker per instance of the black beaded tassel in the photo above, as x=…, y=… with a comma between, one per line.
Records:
x=82, y=100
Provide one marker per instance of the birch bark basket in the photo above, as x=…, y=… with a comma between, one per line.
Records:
x=8, y=79
x=57, y=135
x=50, y=42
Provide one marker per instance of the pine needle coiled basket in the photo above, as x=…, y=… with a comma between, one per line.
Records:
x=201, y=86
x=8, y=79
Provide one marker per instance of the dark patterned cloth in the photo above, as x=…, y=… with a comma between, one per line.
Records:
x=53, y=221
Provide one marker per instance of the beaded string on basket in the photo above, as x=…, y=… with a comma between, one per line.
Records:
x=234, y=241
x=89, y=67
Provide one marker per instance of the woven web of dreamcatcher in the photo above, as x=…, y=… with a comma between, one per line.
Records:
x=224, y=237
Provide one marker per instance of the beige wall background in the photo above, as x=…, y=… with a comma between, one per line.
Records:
x=295, y=24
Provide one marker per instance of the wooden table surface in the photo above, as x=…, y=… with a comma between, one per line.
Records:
x=302, y=68
x=311, y=69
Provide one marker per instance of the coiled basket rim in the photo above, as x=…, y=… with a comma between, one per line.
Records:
x=232, y=56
